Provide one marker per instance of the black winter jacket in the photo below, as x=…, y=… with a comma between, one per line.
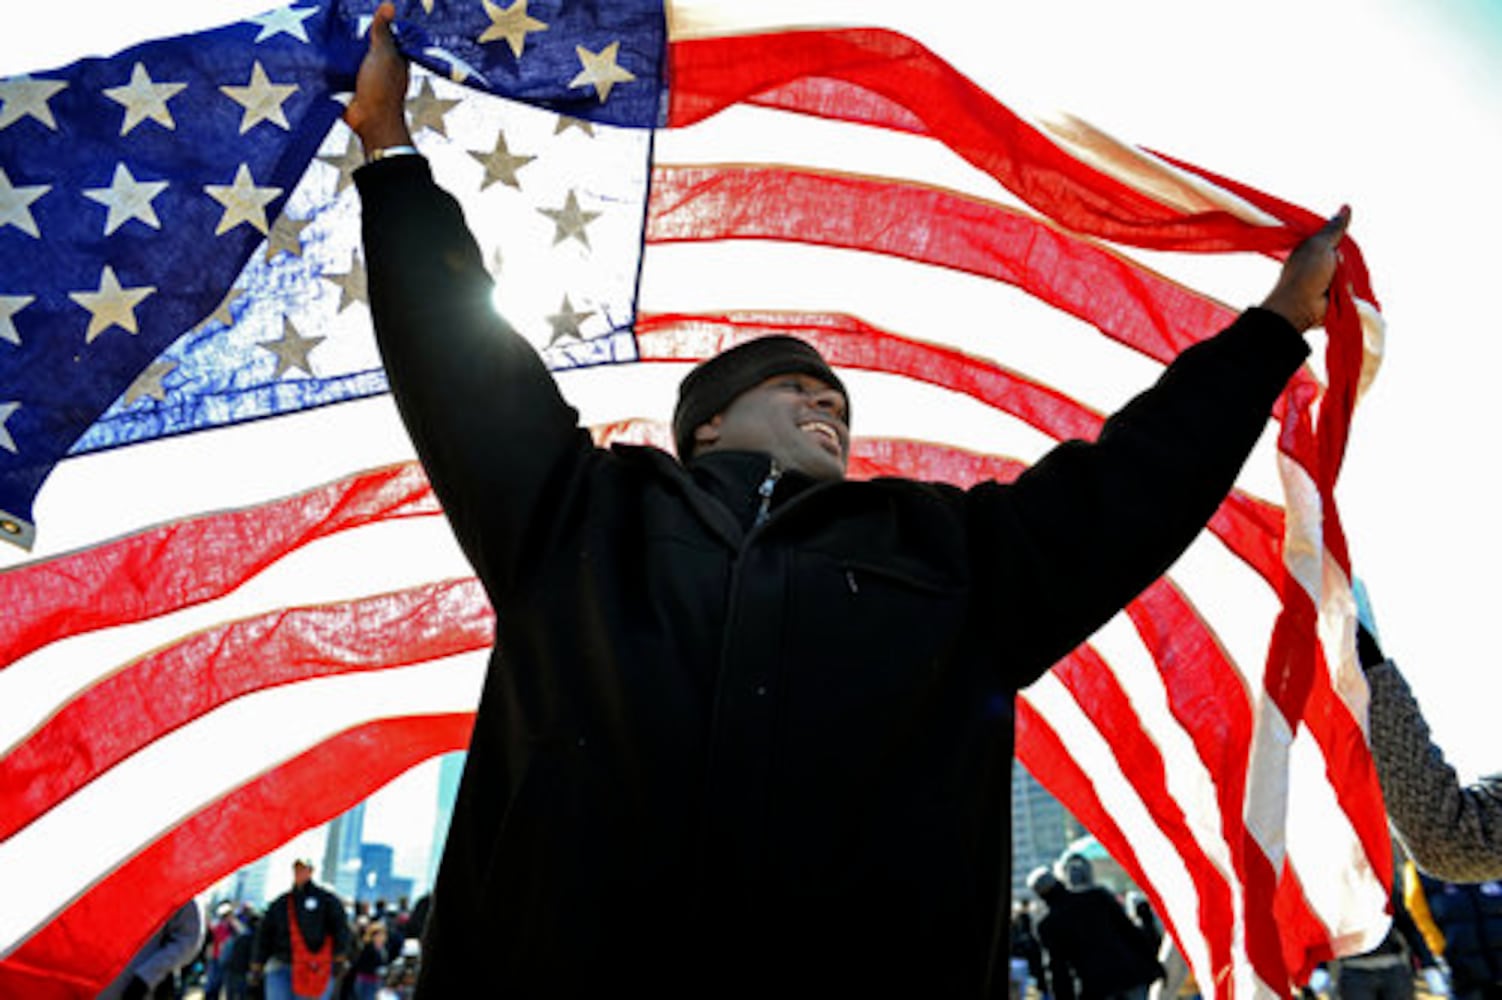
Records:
x=1091, y=947
x=717, y=761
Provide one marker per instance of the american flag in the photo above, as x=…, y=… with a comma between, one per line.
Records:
x=234, y=610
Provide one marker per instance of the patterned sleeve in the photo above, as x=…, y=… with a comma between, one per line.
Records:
x=1453, y=832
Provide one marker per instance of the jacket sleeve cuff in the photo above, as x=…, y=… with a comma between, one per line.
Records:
x=375, y=178
x=1276, y=338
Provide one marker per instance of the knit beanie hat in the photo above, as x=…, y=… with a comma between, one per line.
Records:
x=714, y=384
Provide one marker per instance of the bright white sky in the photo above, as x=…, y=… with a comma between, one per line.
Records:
x=1394, y=106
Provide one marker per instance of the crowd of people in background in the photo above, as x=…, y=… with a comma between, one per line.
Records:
x=1088, y=944
x=371, y=950
x=1075, y=940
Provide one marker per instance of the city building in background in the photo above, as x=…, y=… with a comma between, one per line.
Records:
x=377, y=881
x=1041, y=828
x=450, y=767
x=248, y=885
x=341, y=853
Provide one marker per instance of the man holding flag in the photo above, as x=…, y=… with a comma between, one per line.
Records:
x=748, y=725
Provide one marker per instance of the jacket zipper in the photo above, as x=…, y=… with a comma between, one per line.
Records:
x=768, y=485
x=763, y=514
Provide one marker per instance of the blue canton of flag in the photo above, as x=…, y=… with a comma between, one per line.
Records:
x=179, y=230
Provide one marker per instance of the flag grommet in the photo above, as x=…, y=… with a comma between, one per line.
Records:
x=16, y=530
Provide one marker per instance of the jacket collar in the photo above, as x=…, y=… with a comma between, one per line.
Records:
x=720, y=488
x=715, y=515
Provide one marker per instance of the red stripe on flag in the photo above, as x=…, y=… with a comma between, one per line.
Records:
x=1257, y=526
x=1306, y=941
x=145, y=574
x=1206, y=693
x=870, y=457
x=913, y=85
x=1349, y=763
x=1121, y=298
x=126, y=711
x=851, y=343
x=95, y=935
x=1299, y=219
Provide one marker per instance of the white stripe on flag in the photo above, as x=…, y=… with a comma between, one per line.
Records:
x=346, y=566
x=60, y=855
x=1324, y=852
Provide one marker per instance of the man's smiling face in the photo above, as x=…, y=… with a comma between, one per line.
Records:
x=798, y=419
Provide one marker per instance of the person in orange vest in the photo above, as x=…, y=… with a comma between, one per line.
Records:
x=303, y=941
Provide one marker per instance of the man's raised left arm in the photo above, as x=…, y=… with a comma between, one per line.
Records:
x=1100, y=521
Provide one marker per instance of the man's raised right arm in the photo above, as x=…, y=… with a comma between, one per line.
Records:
x=483, y=411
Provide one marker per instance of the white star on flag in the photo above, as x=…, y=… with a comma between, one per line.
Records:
x=261, y=99
x=15, y=204
x=283, y=21
x=243, y=201
x=111, y=305
x=127, y=199
x=21, y=96
x=142, y=99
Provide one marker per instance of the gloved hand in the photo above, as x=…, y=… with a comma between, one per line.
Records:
x=1436, y=982
x=136, y=989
